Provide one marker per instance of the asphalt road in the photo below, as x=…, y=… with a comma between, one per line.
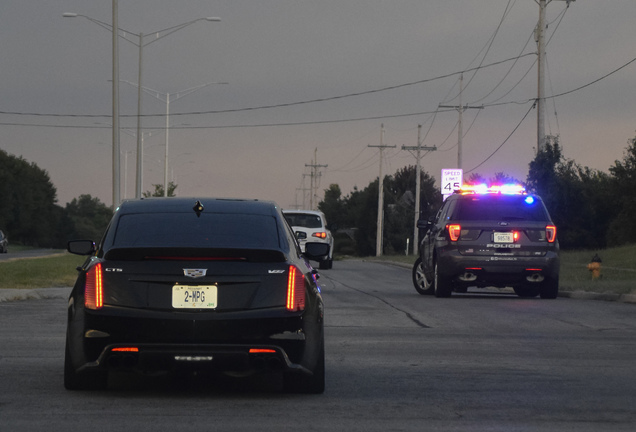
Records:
x=395, y=361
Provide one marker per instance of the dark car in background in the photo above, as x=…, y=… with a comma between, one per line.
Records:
x=205, y=286
x=4, y=243
x=489, y=237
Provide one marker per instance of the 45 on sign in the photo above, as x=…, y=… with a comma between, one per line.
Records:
x=452, y=179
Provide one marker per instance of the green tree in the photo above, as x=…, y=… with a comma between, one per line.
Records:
x=622, y=229
x=573, y=196
x=358, y=211
x=89, y=217
x=333, y=207
x=29, y=213
x=158, y=192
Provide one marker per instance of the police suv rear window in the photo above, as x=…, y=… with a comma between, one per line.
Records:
x=500, y=208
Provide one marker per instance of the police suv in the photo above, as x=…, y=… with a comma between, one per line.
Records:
x=497, y=236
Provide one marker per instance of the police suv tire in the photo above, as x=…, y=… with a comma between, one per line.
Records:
x=420, y=282
x=441, y=285
x=526, y=292
x=550, y=289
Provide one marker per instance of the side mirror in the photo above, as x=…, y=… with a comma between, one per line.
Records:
x=81, y=247
x=316, y=251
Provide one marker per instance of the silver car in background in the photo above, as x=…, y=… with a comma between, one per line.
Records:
x=311, y=225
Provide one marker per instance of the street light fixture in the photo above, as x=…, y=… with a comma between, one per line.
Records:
x=166, y=98
x=160, y=34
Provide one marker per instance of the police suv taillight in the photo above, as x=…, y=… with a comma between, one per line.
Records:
x=454, y=231
x=550, y=233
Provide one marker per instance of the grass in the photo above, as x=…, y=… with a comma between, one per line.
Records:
x=51, y=271
x=618, y=273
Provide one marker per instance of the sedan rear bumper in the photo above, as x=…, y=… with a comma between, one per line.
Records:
x=155, y=358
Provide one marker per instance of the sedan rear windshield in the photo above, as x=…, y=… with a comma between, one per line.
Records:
x=304, y=220
x=211, y=230
x=501, y=208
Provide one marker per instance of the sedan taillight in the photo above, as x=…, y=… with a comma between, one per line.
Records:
x=322, y=235
x=295, y=289
x=93, y=289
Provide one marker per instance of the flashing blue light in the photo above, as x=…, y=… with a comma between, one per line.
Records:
x=529, y=200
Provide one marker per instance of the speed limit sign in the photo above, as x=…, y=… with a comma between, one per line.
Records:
x=451, y=181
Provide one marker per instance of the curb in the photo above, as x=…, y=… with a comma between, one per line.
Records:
x=577, y=295
x=14, y=294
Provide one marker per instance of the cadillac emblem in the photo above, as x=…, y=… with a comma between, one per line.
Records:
x=195, y=273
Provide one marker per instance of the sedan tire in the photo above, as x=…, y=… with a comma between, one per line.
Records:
x=82, y=381
x=312, y=384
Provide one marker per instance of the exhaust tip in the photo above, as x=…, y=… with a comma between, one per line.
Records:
x=468, y=277
x=535, y=277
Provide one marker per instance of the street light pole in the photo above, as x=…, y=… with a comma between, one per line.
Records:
x=140, y=146
x=160, y=95
x=140, y=45
x=116, y=160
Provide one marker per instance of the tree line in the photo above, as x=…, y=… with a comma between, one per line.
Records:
x=591, y=209
x=30, y=215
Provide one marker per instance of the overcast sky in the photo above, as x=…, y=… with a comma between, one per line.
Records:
x=331, y=72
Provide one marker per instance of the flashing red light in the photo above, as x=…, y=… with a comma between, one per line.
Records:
x=550, y=233
x=508, y=189
x=125, y=349
x=321, y=235
x=262, y=351
x=295, y=290
x=515, y=236
x=454, y=231
x=93, y=289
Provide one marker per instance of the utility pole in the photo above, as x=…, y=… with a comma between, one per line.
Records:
x=540, y=38
x=378, y=241
x=460, y=108
x=304, y=190
x=314, y=178
x=418, y=149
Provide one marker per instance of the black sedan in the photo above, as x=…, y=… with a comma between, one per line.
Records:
x=207, y=285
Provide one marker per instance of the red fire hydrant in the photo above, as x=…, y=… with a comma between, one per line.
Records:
x=595, y=266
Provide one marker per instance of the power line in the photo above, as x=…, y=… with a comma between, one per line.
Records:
x=504, y=142
x=487, y=105
x=283, y=105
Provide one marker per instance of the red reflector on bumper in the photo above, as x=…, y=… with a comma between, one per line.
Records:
x=125, y=349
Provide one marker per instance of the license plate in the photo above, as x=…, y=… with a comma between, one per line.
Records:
x=501, y=237
x=194, y=297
